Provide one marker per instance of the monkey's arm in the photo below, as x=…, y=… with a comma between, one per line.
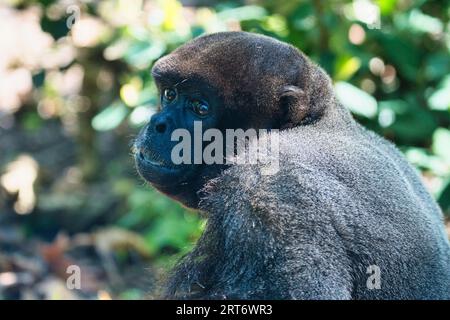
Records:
x=317, y=266
x=308, y=220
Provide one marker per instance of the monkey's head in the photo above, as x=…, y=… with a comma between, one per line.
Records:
x=229, y=80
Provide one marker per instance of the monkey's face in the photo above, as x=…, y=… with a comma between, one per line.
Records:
x=188, y=107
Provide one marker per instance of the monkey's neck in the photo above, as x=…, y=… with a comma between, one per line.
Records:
x=336, y=117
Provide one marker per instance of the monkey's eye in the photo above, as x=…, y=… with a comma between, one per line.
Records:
x=199, y=107
x=169, y=95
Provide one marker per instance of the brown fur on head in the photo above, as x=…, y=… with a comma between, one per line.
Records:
x=270, y=82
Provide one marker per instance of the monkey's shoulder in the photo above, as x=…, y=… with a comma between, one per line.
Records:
x=346, y=172
x=294, y=175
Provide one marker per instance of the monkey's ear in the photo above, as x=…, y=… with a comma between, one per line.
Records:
x=295, y=105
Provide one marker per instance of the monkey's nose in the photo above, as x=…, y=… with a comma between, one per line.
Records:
x=158, y=123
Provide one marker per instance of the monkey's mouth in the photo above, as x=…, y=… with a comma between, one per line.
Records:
x=157, y=171
x=153, y=160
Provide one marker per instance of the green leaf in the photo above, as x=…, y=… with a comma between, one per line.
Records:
x=397, y=106
x=424, y=23
x=346, y=67
x=389, y=110
x=386, y=6
x=413, y=123
x=440, y=99
x=437, y=66
x=172, y=231
x=142, y=54
x=356, y=100
x=243, y=13
x=110, y=118
x=425, y=160
x=141, y=115
x=441, y=143
x=404, y=55
x=32, y=121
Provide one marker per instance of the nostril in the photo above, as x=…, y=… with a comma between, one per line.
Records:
x=160, y=127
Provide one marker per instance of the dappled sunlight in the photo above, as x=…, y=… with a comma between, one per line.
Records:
x=19, y=177
x=87, y=32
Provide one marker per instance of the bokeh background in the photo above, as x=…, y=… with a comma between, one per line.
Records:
x=75, y=88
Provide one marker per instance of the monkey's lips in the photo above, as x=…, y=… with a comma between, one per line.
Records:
x=155, y=169
x=153, y=160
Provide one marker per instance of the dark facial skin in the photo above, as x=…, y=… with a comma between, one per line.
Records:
x=226, y=81
x=183, y=101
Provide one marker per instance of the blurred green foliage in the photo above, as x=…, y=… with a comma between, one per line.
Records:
x=390, y=69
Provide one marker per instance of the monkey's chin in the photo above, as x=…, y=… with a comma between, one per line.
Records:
x=159, y=173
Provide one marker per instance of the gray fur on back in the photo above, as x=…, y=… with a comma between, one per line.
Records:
x=343, y=200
